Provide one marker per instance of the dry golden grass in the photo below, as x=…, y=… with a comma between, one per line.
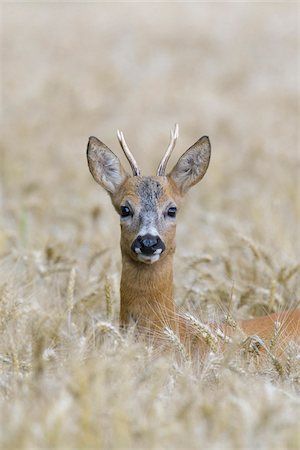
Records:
x=68, y=377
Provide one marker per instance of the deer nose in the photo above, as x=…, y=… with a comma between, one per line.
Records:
x=148, y=245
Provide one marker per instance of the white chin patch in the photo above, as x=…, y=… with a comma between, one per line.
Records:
x=148, y=259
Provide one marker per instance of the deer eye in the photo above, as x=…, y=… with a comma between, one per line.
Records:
x=172, y=211
x=125, y=211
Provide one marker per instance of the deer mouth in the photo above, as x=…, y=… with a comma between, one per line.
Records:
x=148, y=259
x=148, y=248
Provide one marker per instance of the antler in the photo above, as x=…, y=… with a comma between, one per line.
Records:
x=136, y=171
x=163, y=164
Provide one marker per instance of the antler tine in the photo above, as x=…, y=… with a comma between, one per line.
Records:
x=136, y=171
x=163, y=164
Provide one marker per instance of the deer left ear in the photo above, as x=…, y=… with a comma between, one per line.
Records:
x=105, y=166
x=192, y=165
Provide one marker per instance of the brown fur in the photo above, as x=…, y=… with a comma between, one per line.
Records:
x=147, y=293
x=265, y=327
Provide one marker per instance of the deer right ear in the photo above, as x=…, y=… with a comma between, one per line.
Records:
x=192, y=165
x=105, y=166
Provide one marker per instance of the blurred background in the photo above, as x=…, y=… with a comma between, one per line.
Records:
x=68, y=379
x=230, y=71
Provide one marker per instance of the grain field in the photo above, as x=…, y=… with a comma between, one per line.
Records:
x=68, y=377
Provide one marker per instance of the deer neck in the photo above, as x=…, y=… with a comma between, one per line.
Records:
x=147, y=293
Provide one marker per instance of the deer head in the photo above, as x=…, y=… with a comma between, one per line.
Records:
x=147, y=205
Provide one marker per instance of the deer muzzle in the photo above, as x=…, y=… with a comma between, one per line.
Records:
x=148, y=246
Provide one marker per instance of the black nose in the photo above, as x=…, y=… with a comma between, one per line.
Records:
x=148, y=245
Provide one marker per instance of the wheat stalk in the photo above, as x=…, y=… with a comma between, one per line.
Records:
x=175, y=340
x=70, y=296
x=203, y=330
x=108, y=298
x=108, y=328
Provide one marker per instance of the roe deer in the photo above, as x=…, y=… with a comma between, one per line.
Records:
x=147, y=207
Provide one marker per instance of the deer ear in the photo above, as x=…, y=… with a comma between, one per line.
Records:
x=105, y=166
x=192, y=165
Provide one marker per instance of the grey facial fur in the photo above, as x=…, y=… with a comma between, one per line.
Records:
x=149, y=192
x=148, y=221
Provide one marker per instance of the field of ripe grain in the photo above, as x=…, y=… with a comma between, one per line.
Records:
x=68, y=378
